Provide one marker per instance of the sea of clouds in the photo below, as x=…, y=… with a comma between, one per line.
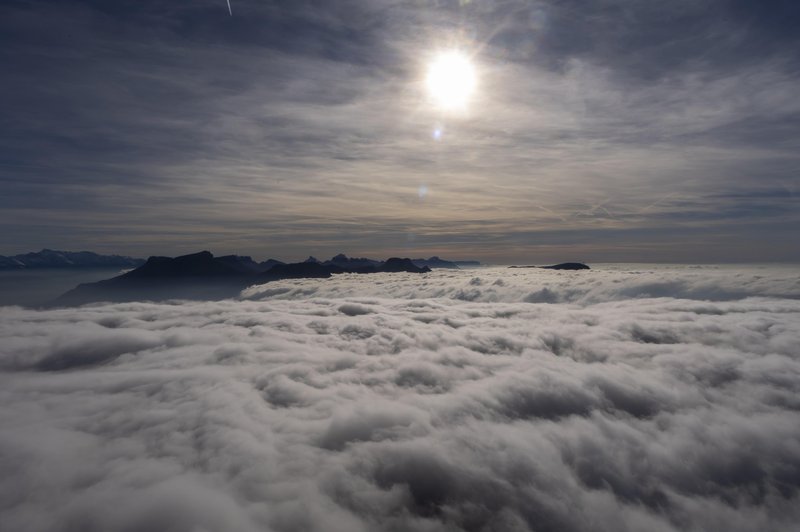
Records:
x=658, y=399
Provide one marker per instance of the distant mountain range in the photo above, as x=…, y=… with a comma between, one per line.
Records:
x=48, y=258
x=203, y=276
x=435, y=262
x=562, y=266
x=344, y=261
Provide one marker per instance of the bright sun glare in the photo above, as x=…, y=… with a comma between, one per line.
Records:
x=451, y=80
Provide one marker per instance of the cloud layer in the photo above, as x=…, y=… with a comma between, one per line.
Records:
x=314, y=409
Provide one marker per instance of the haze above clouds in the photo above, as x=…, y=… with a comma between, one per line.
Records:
x=471, y=400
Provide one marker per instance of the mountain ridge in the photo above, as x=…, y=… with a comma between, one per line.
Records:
x=50, y=258
x=203, y=276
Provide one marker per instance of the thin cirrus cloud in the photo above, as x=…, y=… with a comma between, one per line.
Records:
x=663, y=399
x=299, y=125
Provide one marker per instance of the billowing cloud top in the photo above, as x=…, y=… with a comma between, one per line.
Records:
x=459, y=407
x=616, y=130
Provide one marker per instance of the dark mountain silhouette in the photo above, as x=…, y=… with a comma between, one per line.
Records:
x=312, y=258
x=364, y=265
x=343, y=261
x=242, y=264
x=435, y=262
x=203, y=276
x=195, y=265
x=567, y=266
x=269, y=263
x=300, y=270
x=326, y=269
x=200, y=264
x=49, y=258
x=395, y=265
x=195, y=276
x=562, y=266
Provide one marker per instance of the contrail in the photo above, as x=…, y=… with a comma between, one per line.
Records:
x=229, y=8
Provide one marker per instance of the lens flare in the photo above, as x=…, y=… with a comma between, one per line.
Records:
x=451, y=80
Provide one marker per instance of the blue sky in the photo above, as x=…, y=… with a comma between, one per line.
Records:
x=599, y=131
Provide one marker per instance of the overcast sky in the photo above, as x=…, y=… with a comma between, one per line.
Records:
x=598, y=131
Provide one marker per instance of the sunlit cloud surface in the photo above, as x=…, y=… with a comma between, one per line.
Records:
x=486, y=400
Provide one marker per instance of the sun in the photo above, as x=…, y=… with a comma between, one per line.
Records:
x=451, y=80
